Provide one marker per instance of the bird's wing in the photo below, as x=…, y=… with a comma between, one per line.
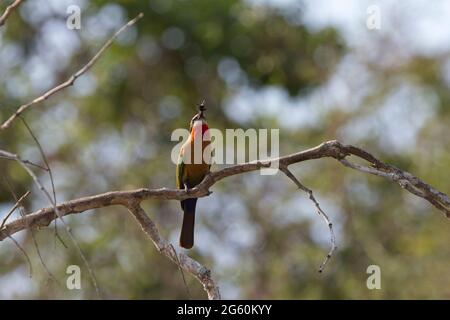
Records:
x=179, y=172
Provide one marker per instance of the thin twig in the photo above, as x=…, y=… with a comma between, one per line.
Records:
x=72, y=78
x=41, y=259
x=71, y=236
x=320, y=212
x=49, y=170
x=35, y=243
x=30, y=267
x=41, y=151
x=14, y=208
x=181, y=271
x=9, y=9
x=12, y=156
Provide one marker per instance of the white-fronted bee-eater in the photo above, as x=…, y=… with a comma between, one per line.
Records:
x=193, y=165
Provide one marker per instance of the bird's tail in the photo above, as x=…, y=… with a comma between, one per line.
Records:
x=187, y=230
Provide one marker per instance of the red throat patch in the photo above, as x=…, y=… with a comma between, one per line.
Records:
x=205, y=128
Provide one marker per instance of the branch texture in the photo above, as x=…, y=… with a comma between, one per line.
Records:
x=9, y=9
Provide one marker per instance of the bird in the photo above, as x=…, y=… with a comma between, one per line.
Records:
x=192, y=167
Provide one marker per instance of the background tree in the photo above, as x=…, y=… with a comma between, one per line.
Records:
x=259, y=65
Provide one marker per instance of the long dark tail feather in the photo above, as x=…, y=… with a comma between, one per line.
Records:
x=187, y=230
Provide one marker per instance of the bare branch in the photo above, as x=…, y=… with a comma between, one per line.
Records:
x=9, y=9
x=12, y=156
x=41, y=151
x=202, y=273
x=333, y=149
x=35, y=243
x=181, y=271
x=72, y=78
x=131, y=199
x=71, y=236
x=14, y=208
x=320, y=212
x=30, y=266
x=41, y=258
x=50, y=173
x=407, y=181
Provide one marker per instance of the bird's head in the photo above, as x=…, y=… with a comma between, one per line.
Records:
x=200, y=114
x=198, y=122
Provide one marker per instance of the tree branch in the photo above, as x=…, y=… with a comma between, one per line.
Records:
x=14, y=208
x=9, y=9
x=132, y=199
x=320, y=212
x=202, y=273
x=12, y=156
x=72, y=78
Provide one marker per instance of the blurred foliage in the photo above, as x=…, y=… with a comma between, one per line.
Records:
x=259, y=235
